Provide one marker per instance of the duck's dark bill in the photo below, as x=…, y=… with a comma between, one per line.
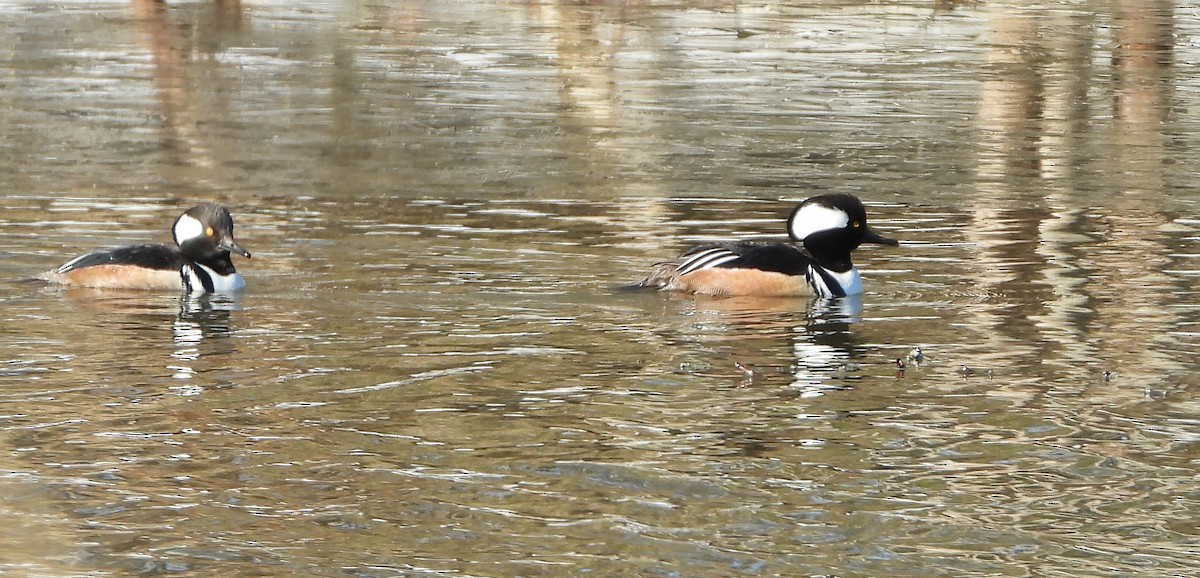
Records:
x=232, y=247
x=873, y=237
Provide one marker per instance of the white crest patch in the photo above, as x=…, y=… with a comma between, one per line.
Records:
x=187, y=227
x=813, y=217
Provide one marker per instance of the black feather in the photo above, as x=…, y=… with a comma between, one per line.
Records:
x=159, y=257
x=774, y=257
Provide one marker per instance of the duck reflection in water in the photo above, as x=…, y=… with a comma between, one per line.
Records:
x=829, y=348
x=195, y=316
x=812, y=341
x=205, y=316
x=787, y=353
x=202, y=320
x=141, y=324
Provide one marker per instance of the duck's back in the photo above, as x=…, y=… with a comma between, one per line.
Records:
x=134, y=267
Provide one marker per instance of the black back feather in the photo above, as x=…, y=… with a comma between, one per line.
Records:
x=151, y=256
x=774, y=257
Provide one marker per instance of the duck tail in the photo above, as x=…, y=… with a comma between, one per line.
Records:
x=662, y=276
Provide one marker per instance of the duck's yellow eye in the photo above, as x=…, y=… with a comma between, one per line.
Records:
x=209, y=231
x=855, y=224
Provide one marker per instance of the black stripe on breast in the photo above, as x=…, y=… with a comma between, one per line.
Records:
x=205, y=279
x=823, y=282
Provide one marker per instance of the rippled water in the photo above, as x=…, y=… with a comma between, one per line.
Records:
x=431, y=372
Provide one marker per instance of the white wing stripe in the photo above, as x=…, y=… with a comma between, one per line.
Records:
x=71, y=264
x=700, y=260
x=706, y=260
x=706, y=253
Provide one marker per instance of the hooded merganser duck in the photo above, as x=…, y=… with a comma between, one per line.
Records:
x=200, y=263
x=824, y=231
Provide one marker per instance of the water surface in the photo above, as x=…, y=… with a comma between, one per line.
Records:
x=431, y=373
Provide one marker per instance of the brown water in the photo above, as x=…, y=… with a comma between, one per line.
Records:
x=430, y=373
